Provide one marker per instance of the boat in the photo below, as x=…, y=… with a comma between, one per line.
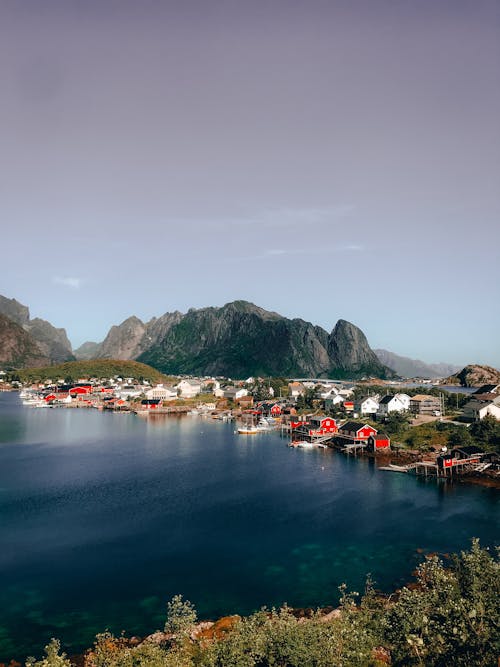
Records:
x=248, y=430
x=265, y=425
x=304, y=444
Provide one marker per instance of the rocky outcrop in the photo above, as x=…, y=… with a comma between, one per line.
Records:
x=18, y=349
x=350, y=353
x=52, y=343
x=475, y=375
x=132, y=337
x=122, y=341
x=15, y=311
x=414, y=368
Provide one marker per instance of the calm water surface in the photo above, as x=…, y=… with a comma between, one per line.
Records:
x=104, y=517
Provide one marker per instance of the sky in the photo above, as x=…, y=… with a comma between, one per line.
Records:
x=323, y=159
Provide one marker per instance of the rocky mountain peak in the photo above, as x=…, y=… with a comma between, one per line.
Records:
x=53, y=343
x=349, y=350
x=14, y=310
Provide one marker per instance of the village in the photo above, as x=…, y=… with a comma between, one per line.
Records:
x=308, y=413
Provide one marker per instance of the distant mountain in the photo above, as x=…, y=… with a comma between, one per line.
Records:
x=241, y=339
x=18, y=348
x=88, y=350
x=53, y=343
x=412, y=368
x=475, y=375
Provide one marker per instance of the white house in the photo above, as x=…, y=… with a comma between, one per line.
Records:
x=334, y=400
x=396, y=403
x=367, y=406
x=296, y=389
x=189, y=388
x=163, y=393
x=477, y=410
x=404, y=399
x=234, y=393
x=328, y=391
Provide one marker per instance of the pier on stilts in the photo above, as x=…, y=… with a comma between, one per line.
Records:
x=433, y=469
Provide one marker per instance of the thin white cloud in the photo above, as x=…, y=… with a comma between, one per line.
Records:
x=279, y=217
x=67, y=281
x=303, y=251
x=354, y=247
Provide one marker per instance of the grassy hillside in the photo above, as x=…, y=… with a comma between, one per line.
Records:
x=99, y=368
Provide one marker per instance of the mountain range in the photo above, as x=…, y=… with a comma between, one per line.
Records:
x=414, y=368
x=236, y=340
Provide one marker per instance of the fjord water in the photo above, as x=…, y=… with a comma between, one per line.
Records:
x=104, y=517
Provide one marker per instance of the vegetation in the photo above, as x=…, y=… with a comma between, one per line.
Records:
x=450, y=616
x=437, y=434
x=98, y=368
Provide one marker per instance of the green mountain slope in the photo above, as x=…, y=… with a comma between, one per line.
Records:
x=241, y=339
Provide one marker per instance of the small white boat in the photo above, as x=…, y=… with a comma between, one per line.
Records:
x=304, y=444
x=248, y=430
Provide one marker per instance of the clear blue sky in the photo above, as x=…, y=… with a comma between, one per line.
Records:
x=322, y=159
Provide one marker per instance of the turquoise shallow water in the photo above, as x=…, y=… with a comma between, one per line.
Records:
x=104, y=517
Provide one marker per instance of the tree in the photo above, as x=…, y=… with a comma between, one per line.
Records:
x=487, y=432
x=307, y=399
x=52, y=657
x=397, y=422
x=452, y=616
x=460, y=437
x=181, y=616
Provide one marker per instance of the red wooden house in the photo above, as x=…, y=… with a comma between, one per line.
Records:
x=150, y=404
x=322, y=426
x=357, y=431
x=57, y=396
x=378, y=441
x=80, y=390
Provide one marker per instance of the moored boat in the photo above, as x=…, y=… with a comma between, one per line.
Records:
x=248, y=430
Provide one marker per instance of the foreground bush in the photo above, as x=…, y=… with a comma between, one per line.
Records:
x=450, y=616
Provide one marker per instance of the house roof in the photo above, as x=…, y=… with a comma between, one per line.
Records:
x=476, y=404
x=368, y=398
x=468, y=449
x=487, y=389
x=353, y=426
x=487, y=396
x=424, y=397
x=386, y=399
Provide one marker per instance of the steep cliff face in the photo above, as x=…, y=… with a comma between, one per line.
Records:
x=241, y=339
x=237, y=340
x=14, y=310
x=350, y=353
x=53, y=343
x=122, y=341
x=18, y=349
x=132, y=337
